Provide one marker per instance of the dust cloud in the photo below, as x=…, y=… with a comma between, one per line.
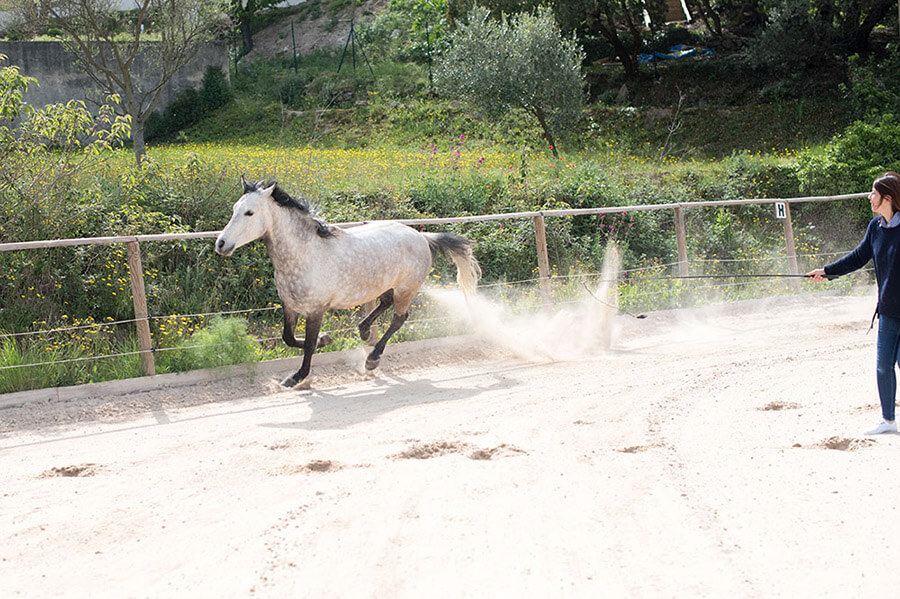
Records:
x=581, y=329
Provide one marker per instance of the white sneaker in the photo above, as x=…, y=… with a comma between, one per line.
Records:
x=883, y=427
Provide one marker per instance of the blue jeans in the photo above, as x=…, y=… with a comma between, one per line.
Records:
x=886, y=358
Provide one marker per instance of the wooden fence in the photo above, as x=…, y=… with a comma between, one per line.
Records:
x=136, y=271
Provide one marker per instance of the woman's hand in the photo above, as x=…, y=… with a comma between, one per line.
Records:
x=816, y=275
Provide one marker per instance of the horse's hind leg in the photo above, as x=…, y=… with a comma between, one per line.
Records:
x=290, y=324
x=375, y=357
x=386, y=300
x=313, y=324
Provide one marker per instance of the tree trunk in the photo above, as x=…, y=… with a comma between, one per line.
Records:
x=709, y=16
x=629, y=63
x=137, y=138
x=858, y=40
x=542, y=119
x=607, y=28
x=246, y=34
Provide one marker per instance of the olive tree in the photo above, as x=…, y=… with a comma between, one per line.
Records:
x=517, y=62
x=135, y=54
x=626, y=25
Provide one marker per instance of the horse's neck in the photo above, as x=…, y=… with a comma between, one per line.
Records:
x=287, y=243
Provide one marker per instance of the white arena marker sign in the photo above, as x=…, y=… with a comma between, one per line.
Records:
x=780, y=210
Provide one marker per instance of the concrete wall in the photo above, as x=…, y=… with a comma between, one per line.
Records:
x=61, y=80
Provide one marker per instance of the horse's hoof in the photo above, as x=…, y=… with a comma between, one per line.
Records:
x=372, y=364
x=291, y=383
x=324, y=340
x=365, y=333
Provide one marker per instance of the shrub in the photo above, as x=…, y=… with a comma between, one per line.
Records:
x=754, y=177
x=663, y=39
x=190, y=106
x=873, y=87
x=792, y=41
x=215, y=91
x=406, y=30
x=443, y=196
x=291, y=90
x=223, y=343
x=852, y=160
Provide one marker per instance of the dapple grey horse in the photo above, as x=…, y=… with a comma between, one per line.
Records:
x=319, y=267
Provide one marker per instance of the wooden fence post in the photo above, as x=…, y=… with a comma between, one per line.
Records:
x=138, y=294
x=789, y=240
x=540, y=241
x=681, y=242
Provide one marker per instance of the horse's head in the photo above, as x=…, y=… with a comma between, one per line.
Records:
x=250, y=219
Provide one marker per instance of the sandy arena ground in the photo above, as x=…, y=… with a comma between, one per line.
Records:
x=709, y=453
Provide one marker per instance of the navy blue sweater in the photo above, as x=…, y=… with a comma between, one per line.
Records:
x=884, y=245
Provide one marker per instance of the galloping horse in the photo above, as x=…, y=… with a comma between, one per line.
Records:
x=319, y=266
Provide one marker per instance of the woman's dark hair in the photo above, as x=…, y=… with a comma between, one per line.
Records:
x=888, y=184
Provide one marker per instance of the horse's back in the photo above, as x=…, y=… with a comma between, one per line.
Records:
x=373, y=258
x=389, y=236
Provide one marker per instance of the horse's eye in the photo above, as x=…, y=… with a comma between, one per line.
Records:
x=248, y=213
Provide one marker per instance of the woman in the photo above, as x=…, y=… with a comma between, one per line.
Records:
x=881, y=244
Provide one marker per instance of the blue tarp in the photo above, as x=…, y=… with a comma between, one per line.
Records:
x=675, y=52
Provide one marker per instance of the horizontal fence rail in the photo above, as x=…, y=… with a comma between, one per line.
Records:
x=136, y=276
x=32, y=245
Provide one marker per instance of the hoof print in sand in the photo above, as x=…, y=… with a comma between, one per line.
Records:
x=278, y=445
x=634, y=449
x=71, y=471
x=322, y=466
x=314, y=466
x=777, y=406
x=844, y=443
x=424, y=451
x=501, y=451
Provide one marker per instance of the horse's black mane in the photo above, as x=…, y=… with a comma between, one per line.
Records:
x=284, y=199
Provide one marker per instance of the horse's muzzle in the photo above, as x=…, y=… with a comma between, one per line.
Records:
x=222, y=249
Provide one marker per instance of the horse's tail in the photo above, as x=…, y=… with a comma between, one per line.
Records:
x=458, y=249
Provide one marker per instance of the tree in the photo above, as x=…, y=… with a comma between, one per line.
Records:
x=458, y=9
x=243, y=11
x=805, y=34
x=42, y=150
x=620, y=22
x=32, y=14
x=160, y=37
x=853, y=20
x=517, y=62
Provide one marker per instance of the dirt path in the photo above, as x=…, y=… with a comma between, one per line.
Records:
x=710, y=453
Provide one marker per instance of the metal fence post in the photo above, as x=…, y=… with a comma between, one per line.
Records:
x=681, y=241
x=138, y=294
x=540, y=242
x=789, y=240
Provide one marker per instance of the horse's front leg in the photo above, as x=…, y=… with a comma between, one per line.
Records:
x=375, y=357
x=313, y=324
x=290, y=325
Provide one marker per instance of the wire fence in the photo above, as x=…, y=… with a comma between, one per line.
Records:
x=595, y=277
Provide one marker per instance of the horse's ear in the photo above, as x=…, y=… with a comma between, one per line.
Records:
x=268, y=190
x=247, y=186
